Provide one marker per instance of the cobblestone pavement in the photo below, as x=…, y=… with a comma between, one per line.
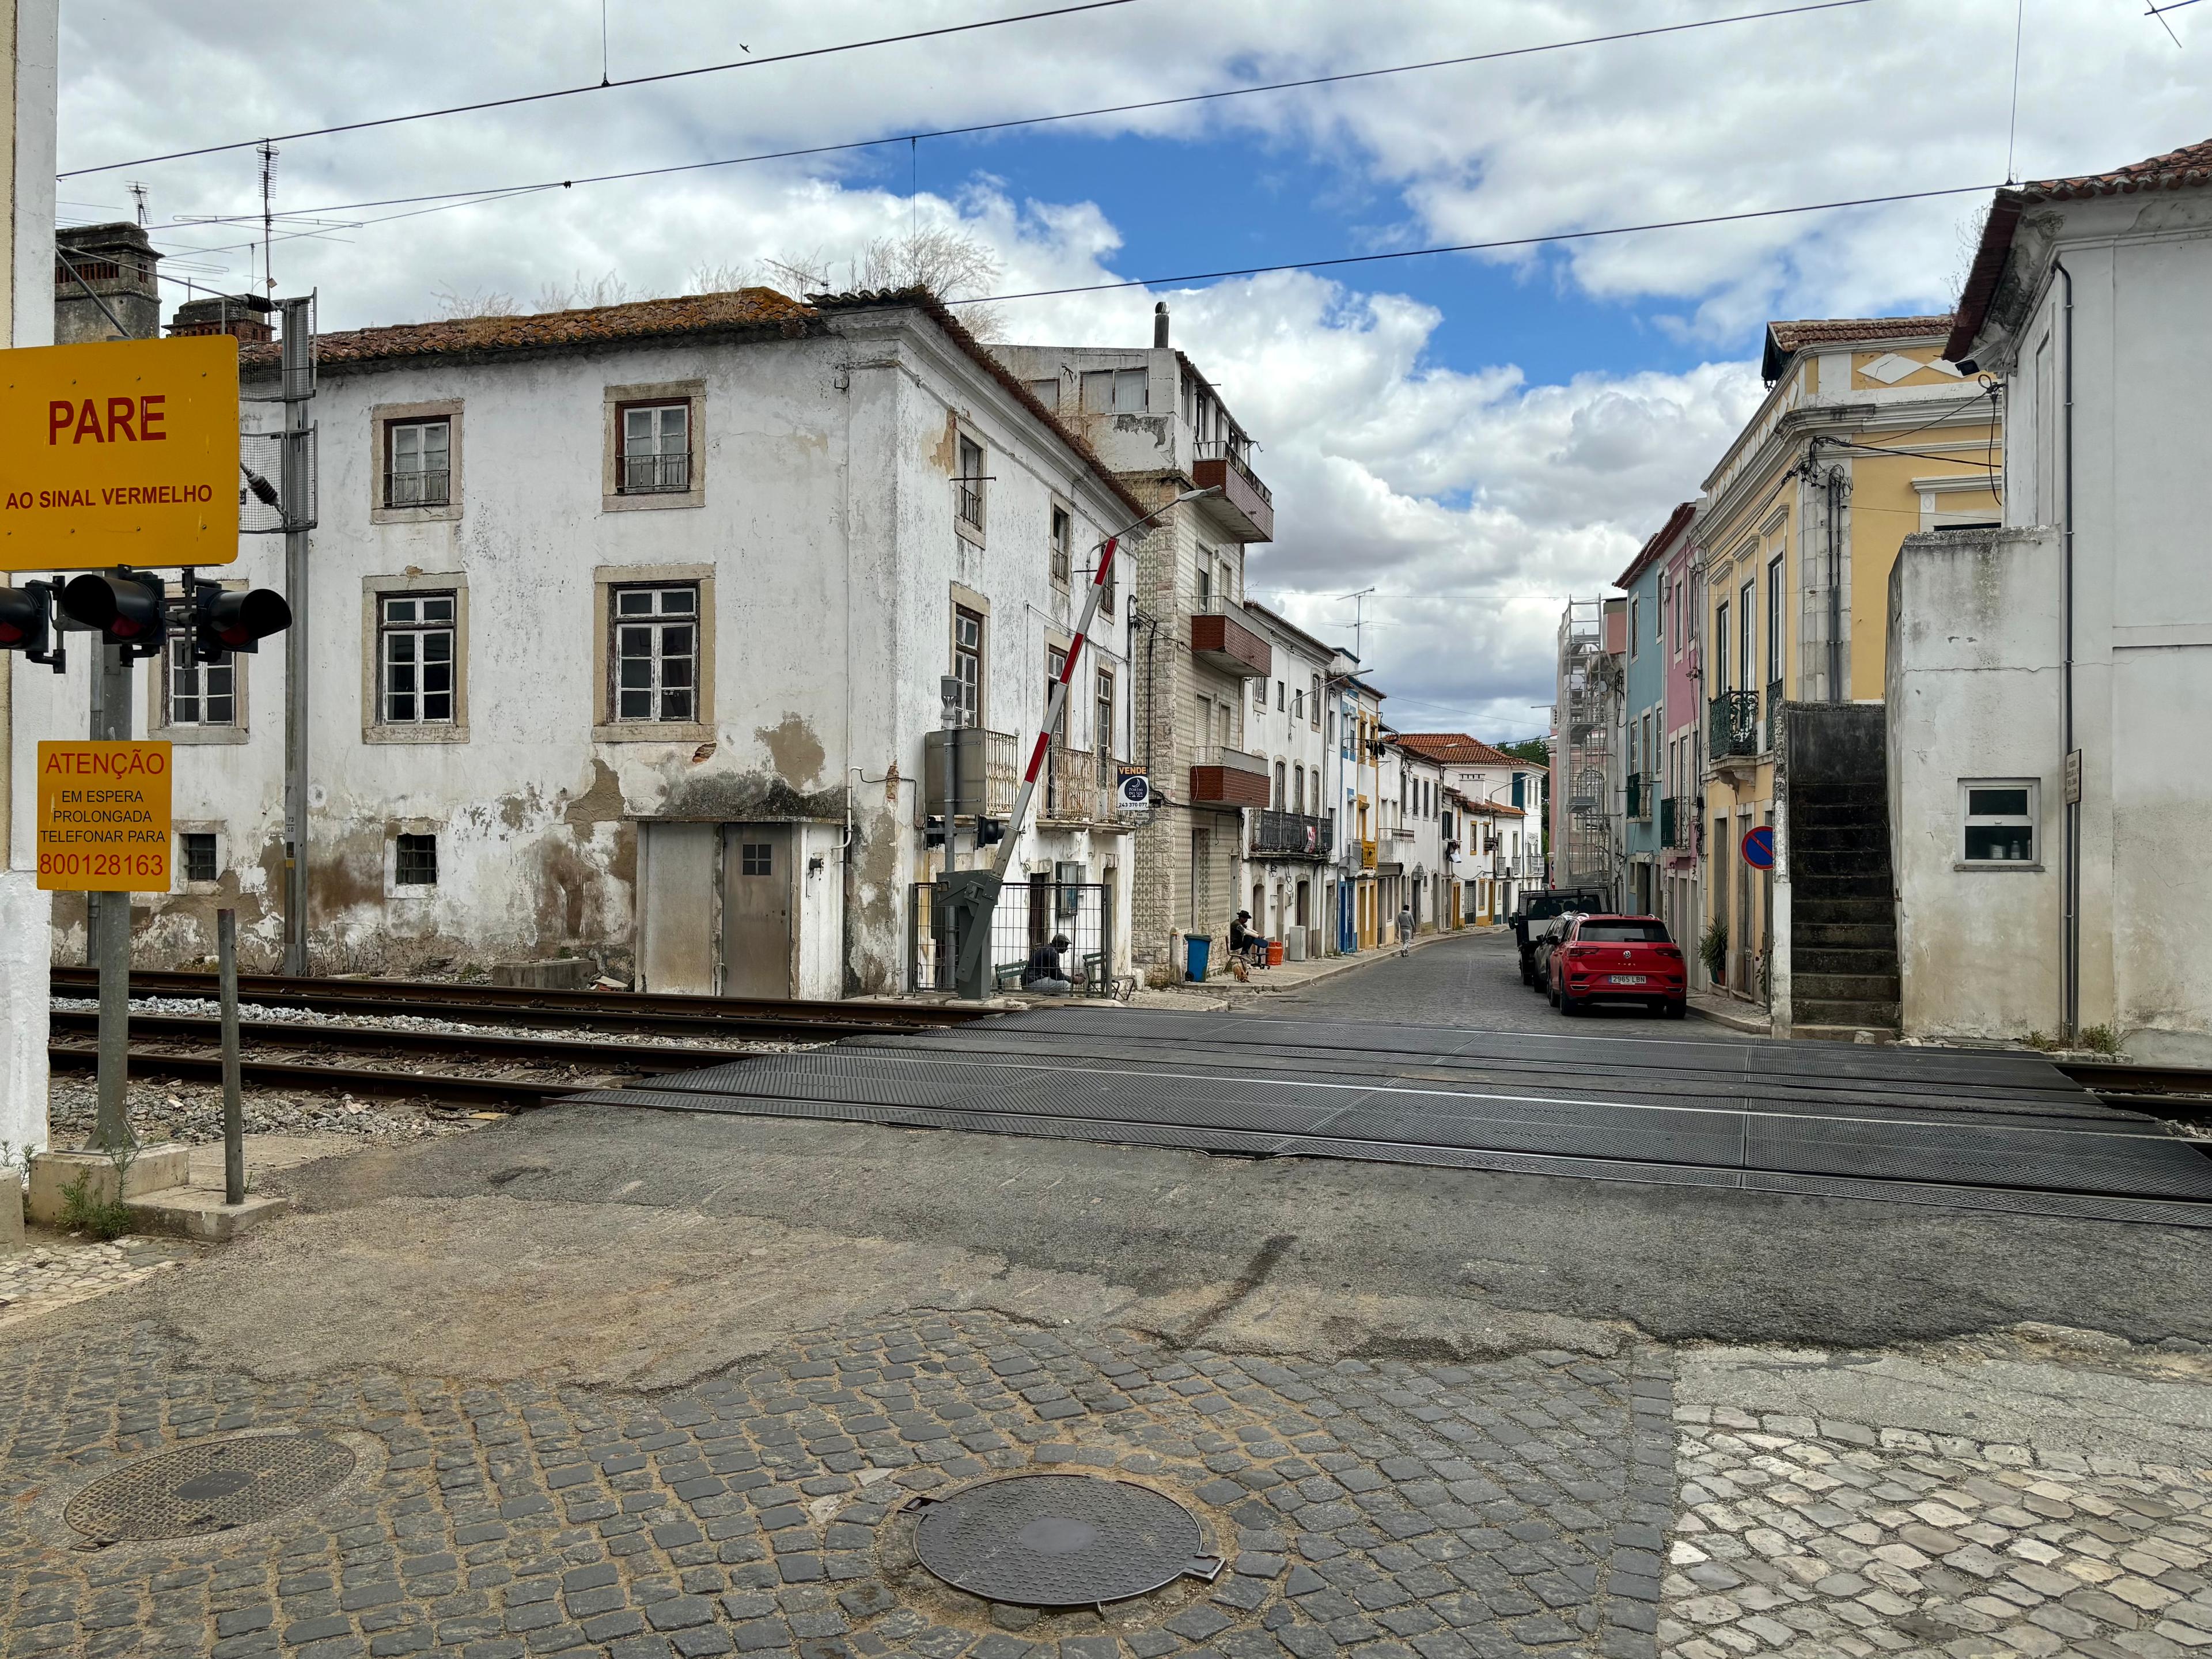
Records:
x=1810, y=1538
x=52, y=1272
x=1400, y=1509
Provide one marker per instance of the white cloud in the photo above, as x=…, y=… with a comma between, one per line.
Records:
x=1490, y=496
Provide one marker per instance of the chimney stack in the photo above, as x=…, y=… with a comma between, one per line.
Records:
x=1160, y=325
x=116, y=262
x=240, y=314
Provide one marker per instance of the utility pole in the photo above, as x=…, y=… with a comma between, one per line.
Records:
x=296, y=501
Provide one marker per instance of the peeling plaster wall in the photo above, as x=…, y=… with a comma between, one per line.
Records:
x=2140, y=400
x=828, y=526
x=1974, y=647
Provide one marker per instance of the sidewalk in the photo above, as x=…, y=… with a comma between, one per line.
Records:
x=1223, y=990
x=1736, y=1015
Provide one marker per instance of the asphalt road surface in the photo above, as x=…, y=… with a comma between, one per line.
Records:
x=1474, y=980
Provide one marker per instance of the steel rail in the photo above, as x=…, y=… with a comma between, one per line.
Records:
x=601, y=1054
x=509, y=1092
x=623, y=1009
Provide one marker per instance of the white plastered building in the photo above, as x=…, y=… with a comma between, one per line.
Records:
x=2049, y=682
x=628, y=630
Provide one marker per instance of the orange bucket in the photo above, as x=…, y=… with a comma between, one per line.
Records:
x=1274, y=953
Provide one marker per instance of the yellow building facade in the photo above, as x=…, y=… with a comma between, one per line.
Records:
x=1866, y=436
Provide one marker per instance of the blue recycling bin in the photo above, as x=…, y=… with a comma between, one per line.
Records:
x=1197, y=947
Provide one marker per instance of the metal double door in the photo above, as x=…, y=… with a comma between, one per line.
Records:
x=716, y=908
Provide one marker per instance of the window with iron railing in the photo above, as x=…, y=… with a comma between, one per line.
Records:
x=417, y=464
x=656, y=449
x=968, y=486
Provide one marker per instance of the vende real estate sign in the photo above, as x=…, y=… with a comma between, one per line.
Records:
x=122, y=452
x=103, y=822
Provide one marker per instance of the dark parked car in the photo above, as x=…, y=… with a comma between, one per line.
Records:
x=1548, y=935
x=1537, y=909
x=1617, y=959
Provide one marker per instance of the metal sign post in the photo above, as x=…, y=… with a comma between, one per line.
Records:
x=103, y=829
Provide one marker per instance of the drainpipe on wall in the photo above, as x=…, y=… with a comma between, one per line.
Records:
x=1833, y=483
x=2071, y=957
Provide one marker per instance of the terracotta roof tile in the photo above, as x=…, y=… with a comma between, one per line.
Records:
x=1784, y=340
x=1456, y=748
x=751, y=312
x=2189, y=168
x=745, y=310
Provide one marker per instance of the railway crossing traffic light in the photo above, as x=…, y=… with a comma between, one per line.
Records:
x=133, y=610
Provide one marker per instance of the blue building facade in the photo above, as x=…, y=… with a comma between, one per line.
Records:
x=1643, y=740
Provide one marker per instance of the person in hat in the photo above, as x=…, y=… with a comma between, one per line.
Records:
x=1243, y=943
x=1045, y=973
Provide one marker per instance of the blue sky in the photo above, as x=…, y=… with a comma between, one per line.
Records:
x=1475, y=437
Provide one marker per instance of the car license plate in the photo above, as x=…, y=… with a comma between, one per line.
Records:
x=1625, y=979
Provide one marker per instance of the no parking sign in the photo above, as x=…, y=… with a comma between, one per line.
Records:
x=1759, y=847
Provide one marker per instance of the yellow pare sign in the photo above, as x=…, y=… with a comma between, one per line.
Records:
x=104, y=817
x=123, y=452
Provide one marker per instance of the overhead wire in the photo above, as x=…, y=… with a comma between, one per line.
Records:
x=602, y=85
x=975, y=128
x=1494, y=245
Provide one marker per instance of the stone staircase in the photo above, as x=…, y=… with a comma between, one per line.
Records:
x=1843, y=926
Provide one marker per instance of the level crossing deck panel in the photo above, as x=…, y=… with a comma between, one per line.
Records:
x=1954, y=1128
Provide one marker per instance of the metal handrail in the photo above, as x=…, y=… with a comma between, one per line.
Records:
x=427, y=488
x=971, y=498
x=1735, y=724
x=655, y=474
x=1221, y=449
x=1296, y=834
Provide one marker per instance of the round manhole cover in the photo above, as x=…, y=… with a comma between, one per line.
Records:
x=1059, y=1541
x=209, y=1487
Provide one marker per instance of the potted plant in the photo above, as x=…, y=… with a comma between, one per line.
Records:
x=1712, y=950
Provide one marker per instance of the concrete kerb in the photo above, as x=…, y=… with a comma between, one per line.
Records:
x=1727, y=1011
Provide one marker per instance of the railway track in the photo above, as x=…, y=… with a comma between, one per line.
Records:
x=2178, y=1091
x=472, y=1068
x=383, y=1061
x=640, y=1012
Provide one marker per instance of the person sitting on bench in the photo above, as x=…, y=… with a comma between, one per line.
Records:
x=1044, y=972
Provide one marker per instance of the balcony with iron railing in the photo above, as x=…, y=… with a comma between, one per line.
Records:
x=1733, y=726
x=1222, y=776
x=1244, y=509
x=421, y=488
x=1292, y=834
x=1070, y=791
x=1642, y=786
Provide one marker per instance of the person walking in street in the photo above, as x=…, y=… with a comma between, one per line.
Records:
x=1405, y=929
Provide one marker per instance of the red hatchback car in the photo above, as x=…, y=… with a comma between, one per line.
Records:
x=1618, y=959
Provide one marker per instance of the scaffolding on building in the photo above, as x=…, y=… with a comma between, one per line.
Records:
x=1589, y=695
